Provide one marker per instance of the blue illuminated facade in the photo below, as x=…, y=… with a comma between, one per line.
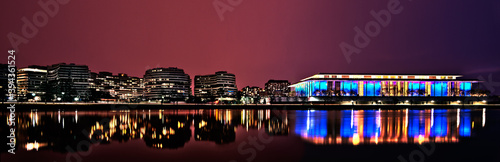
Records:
x=383, y=85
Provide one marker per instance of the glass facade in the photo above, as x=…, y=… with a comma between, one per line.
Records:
x=434, y=88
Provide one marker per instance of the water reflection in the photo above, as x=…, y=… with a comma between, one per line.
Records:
x=63, y=131
x=386, y=126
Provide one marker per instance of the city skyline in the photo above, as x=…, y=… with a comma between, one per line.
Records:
x=224, y=71
x=250, y=80
x=284, y=40
x=72, y=82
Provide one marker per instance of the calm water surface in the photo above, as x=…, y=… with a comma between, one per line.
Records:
x=257, y=135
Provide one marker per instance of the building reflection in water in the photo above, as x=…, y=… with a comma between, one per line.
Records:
x=63, y=131
x=386, y=126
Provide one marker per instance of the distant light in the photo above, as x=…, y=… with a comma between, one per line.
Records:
x=76, y=99
x=33, y=94
x=421, y=139
x=379, y=101
x=432, y=101
x=355, y=139
x=406, y=101
x=313, y=99
x=58, y=98
x=484, y=101
x=458, y=101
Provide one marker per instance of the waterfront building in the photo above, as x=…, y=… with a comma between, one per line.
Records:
x=277, y=88
x=69, y=82
x=129, y=88
x=121, y=86
x=31, y=83
x=251, y=91
x=166, y=84
x=251, y=95
x=220, y=84
x=324, y=84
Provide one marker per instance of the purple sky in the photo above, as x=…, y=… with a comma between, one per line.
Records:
x=260, y=39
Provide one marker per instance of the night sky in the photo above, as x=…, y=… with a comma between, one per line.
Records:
x=261, y=39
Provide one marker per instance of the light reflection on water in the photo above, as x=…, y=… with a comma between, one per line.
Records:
x=172, y=129
x=386, y=126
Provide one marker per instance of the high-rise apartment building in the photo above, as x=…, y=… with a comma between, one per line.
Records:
x=167, y=84
x=220, y=84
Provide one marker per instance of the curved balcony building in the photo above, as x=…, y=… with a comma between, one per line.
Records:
x=167, y=83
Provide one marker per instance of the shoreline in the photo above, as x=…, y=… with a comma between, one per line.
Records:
x=128, y=106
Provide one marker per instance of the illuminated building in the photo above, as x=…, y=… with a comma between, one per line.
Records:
x=166, y=83
x=129, y=87
x=70, y=81
x=277, y=88
x=250, y=91
x=30, y=83
x=121, y=86
x=382, y=85
x=220, y=84
x=250, y=95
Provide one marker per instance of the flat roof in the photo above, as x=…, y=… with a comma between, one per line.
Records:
x=381, y=77
x=384, y=74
